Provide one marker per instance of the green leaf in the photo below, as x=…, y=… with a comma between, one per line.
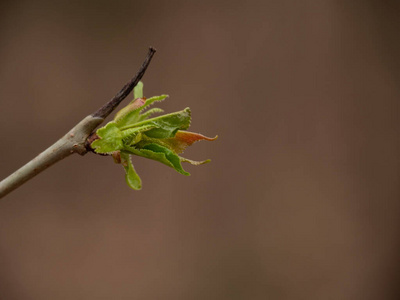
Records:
x=132, y=136
x=131, y=177
x=151, y=100
x=138, y=90
x=148, y=113
x=166, y=126
x=170, y=156
x=110, y=139
x=160, y=154
x=130, y=114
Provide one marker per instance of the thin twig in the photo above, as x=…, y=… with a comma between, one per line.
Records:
x=107, y=108
x=74, y=141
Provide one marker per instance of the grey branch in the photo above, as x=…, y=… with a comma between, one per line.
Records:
x=72, y=142
x=75, y=140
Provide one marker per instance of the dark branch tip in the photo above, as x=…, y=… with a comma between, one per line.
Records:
x=108, y=107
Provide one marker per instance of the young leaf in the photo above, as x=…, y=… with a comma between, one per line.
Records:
x=193, y=162
x=169, y=155
x=160, y=154
x=167, y=125
x=131, y=114
x=133, y=135
x=183, y=139
x=150, y=112
x=110, y=139
x=138, y=90
x=151, y=100
x=131, y=177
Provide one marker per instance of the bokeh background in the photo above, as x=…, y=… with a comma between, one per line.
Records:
x=301, y=200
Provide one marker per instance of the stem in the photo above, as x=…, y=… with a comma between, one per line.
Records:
x=41, y=162
x=72, y=142
x=107, y=108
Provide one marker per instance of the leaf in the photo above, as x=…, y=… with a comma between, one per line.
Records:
x=170, y=156
x=183, y=139
x=138, y=90
x=132, y=136
x=151, y=100
x=160, y=154
x=166, y=126
x=110, y=139
x=130, y=114
x=160, y=157
x=193, y=162
x=131, y=177
x=148, y=113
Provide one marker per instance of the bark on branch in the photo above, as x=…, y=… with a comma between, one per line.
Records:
x=107, y=108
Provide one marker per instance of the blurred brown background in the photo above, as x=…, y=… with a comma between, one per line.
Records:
x=301, y=200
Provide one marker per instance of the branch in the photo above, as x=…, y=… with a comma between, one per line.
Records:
x=74, y=140
x=107, y=108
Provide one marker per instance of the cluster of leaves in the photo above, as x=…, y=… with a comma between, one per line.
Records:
x=133, y=132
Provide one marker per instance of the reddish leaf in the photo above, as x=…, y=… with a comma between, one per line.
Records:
x=183, y=139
